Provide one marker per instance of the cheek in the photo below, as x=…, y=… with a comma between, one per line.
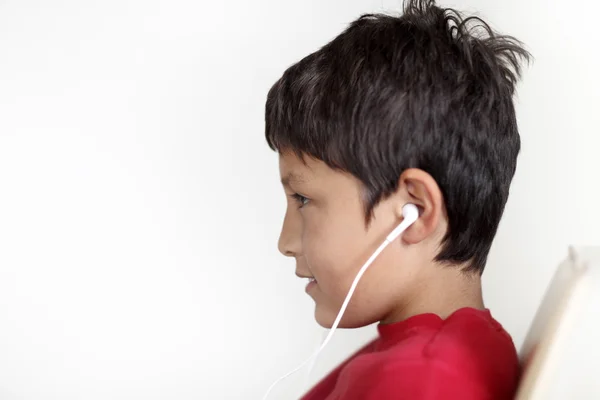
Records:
x=333, y=254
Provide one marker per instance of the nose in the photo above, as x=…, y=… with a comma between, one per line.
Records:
x=290, y=238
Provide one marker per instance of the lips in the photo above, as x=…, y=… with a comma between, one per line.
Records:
x=310, y=279
x=312, y=283
x=306, y=276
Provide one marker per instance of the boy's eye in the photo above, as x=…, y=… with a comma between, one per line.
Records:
x=301, y=200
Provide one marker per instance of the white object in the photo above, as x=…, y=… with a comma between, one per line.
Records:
x=561, y=354
x=410, y=213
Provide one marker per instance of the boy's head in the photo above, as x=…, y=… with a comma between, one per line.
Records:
x=410, y=109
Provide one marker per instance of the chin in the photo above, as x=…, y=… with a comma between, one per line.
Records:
x=326, y=317
x=323, y=319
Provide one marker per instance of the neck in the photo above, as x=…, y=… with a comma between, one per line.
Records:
x=446, y=290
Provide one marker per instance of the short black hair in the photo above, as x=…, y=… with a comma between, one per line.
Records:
x=426, y=89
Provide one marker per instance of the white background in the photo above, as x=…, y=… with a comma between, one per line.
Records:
x=140, y=206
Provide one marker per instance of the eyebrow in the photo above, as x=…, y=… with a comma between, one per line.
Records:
x=292, y=178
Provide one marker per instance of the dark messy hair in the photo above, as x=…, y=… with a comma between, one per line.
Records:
x=428, y=89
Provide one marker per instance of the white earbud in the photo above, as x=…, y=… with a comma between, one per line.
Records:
x=410, y=214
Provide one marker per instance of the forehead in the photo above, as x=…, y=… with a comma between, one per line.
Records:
x=294, y=170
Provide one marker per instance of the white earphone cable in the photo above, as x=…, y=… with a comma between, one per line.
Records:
x=411, y=214
x=337, y=320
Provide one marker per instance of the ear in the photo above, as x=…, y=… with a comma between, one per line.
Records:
x=419, y=188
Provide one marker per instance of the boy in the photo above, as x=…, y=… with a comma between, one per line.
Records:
x=395, y=110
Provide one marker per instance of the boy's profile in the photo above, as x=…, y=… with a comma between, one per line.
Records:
x=403, y=109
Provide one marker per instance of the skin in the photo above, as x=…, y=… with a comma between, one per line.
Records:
x=324, y=229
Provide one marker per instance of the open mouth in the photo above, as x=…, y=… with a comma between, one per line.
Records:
x=312, y=282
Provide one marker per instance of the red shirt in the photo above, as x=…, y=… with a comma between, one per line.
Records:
x=468, y=356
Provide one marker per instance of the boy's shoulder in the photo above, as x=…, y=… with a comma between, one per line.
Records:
x=473, y=342
x=469, y=340
x=467, y=330
x=468, y=355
